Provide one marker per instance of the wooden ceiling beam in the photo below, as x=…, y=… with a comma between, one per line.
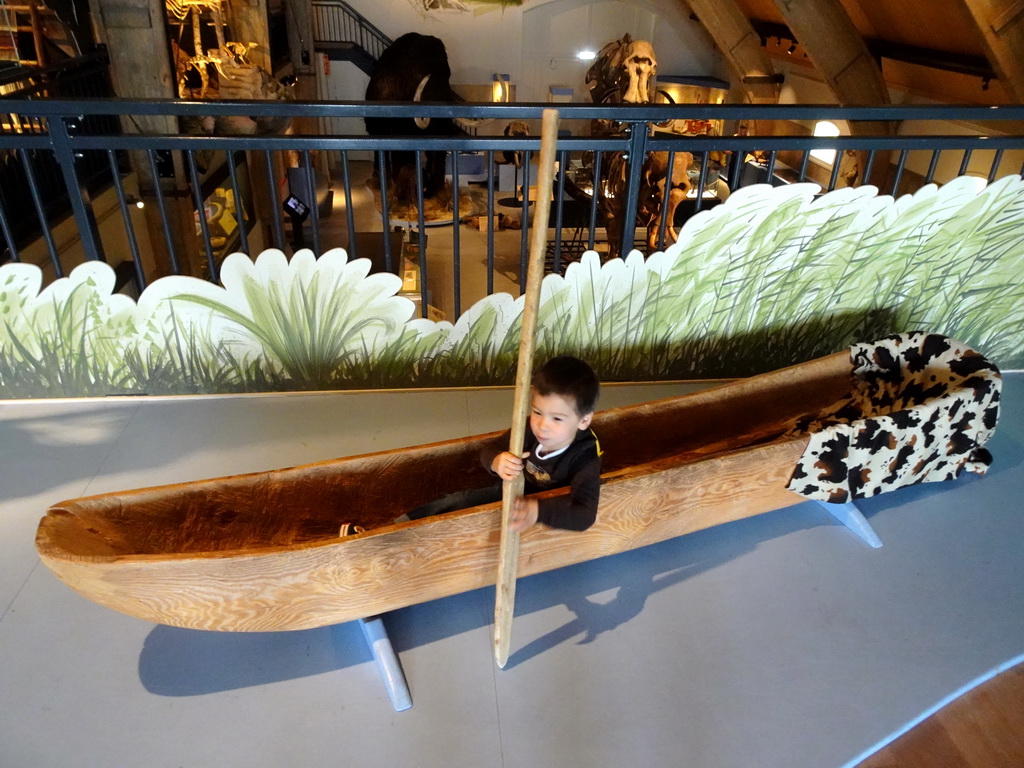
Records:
x=732, y=32
x=1001, y=23
x=832, y=42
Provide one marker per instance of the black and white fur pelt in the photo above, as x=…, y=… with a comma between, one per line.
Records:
x=923, y=407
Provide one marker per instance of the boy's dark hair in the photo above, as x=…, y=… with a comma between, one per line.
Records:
x=569, y=377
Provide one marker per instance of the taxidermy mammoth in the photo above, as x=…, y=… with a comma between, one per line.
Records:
x=624, y=73
x=413, y=68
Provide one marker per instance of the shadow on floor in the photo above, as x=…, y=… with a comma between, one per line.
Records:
x=184, y=662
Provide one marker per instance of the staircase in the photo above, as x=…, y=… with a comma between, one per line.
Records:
x=33, y=35
x=344, y=35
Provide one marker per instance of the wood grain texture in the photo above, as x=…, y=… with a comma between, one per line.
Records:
x=260, y=552
x=984, y=728
x=741, y=46
x=508, y=551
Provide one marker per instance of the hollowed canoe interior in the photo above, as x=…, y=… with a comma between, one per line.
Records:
x=301, y=504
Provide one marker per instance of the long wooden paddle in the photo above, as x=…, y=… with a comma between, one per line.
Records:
x=508, y=551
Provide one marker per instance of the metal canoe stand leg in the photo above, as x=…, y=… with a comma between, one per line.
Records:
x=852, y=518
x=387, y=662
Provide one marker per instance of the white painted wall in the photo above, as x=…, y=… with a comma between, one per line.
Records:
x=536, y=43
x=341, y=81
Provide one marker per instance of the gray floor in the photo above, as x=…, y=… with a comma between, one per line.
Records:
x=782, y=640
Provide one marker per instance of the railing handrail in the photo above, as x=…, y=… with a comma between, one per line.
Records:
x=68, y=133
x=649, y=113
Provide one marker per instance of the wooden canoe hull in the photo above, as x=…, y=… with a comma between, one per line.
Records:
x=327, y=581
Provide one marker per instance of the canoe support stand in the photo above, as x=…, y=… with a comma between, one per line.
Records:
x=387, y=662
x=853, y=518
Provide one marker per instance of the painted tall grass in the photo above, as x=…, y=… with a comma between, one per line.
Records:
x=772, y=277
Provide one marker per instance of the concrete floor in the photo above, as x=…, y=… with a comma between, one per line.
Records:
x=778, y=641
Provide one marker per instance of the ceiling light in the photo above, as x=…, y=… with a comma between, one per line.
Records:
x=586, y=55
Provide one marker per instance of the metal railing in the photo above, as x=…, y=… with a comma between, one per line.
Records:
x=335, y=21
x=202, y=175
x=36, y=171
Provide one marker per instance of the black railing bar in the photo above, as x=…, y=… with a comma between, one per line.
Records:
x=162, y=205
x=932, y=166
x=637, y=154
x=224, y=143
x=476, y=144
x=129, y=228
x=996, y=160
x=314, y=205
x=350, y=215
x=421, y=233
x=521, y=110
x=803, y=167
x=33, y=141
x=37, y=202
x=770, y=165
x=834, y=177
x=737, y=161
x=240, y=212
x=866, y=176
x=782, y=143
x=563, y=157
x=524, y=242
x=385, y=215
x=456, y=232
x=899, y=172
x=12, y=248
x=81, y=203
x=197, y=199
x=703, y=178
x=595, y=182
x=275, y=202
x=965, y=162
x=665, y=197
x=490, y=222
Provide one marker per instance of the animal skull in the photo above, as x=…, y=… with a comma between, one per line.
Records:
x=640, y=65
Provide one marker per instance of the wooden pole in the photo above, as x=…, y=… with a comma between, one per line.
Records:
x=508, y=552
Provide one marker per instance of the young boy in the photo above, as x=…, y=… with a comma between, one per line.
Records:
x=559, y=449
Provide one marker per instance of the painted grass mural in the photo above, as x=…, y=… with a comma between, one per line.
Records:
x=770, y=278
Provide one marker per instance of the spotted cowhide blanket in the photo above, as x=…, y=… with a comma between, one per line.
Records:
x=922, y=408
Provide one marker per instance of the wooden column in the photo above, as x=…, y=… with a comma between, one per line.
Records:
x=140, y=68
x=1001, y=23
x=248, y=21
x=836, y=48
x=832, y=42
x=300, y=44
x=741, y=45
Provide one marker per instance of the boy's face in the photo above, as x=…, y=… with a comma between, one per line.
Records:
x=554, y=420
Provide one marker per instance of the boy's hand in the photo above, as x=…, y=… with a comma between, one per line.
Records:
x=524, y=514
x=507, y=466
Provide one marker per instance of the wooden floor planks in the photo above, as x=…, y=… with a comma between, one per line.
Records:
x=984, y=728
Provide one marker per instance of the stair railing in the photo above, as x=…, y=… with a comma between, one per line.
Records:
x=335, y=21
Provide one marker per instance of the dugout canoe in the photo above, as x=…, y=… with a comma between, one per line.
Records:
x=261, y=551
